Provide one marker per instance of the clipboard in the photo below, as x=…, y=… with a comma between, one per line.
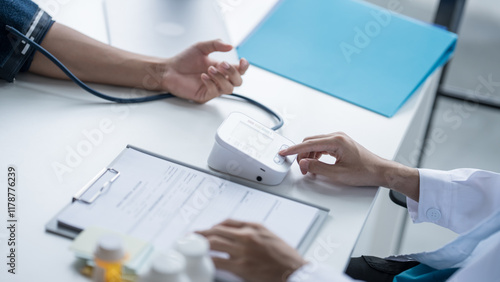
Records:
x=107, y=179
x=88, y=194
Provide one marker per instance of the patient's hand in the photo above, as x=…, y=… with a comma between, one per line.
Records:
x=194, y=76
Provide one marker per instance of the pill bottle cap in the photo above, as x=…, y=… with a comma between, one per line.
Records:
x=193, y=245
x=167, y=264
x=109, y=248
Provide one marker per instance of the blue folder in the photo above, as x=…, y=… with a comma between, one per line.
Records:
x=358, y=52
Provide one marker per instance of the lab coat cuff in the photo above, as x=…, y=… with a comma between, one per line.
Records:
x=435, y=198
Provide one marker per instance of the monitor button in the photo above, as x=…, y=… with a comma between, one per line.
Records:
x=279, y=159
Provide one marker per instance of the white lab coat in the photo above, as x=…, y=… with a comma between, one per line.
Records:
x=466, y=201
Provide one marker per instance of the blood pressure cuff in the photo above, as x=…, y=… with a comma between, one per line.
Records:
x=29, y=19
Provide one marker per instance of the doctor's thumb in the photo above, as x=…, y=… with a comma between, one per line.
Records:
x=314, y=166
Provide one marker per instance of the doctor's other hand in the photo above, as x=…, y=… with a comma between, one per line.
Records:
x=255, y=253
x=194, y=76
x=354, y=164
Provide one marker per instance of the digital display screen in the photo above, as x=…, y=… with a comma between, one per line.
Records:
x=250, y=140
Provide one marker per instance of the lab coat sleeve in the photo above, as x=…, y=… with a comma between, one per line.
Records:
x=314, y=272
x=482, y=268
x=457, y=199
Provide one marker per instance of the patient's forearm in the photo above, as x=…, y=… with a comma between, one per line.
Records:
x=94, y=61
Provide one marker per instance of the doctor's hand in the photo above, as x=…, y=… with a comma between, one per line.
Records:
x=255, y=253
x=194, y=76
x=354, y=165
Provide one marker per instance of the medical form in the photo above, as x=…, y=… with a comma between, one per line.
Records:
x=159, y=200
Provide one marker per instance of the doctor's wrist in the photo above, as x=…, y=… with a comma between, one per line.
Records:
x=401, y=178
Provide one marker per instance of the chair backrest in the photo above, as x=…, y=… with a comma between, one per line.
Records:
x=398, y=198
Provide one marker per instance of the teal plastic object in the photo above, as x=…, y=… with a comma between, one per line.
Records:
x=424, y=273
x=355, y=51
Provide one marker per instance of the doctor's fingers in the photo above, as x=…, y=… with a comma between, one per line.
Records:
x=333, y=136
x=315, y=166
x=231, y=73
x=237, y=223
x=311, y=155
x=221, y=244
x=309, y=148
x=226, y=232
x=223, y=84
x=333, y=144
x=320, y=136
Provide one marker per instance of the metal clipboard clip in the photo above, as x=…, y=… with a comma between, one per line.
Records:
x=97, y=186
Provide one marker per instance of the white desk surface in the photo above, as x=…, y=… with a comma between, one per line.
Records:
x=41, y=119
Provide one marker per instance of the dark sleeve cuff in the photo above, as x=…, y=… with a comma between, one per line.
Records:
x=20, y=53
x=41, y=30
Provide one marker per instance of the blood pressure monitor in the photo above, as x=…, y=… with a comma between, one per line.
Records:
x=245, y=148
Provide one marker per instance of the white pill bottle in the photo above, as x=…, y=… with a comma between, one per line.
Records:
x=199, y=265
x=167, y=267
